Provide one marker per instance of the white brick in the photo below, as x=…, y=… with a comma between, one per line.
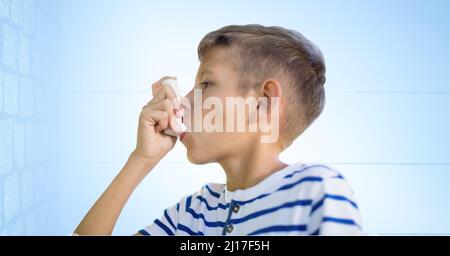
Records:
x=42, y=218
x=24, y=54
x=16, y=228
x=42, y=102
x=1, y=204
x=4, y=8
x=41, y=184
x=17, y=11
x=11, y=199
x=6, y=148
x=26, y=97
x=19, y=145
x=30, y=145
x=28, y=23
x=1, y=89
x=10, y=93
x=30, y=224
x=41, y=27
x=9, y=46
x=27, y=188
x=36, y=60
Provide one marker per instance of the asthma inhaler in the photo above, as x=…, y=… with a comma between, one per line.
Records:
x=173, y=84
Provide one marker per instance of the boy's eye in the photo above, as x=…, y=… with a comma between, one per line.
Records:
x=205, y=84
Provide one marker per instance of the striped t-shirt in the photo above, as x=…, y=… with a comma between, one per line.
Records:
x=301, y=199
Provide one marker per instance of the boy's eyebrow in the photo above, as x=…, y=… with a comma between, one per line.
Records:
x=206, y=71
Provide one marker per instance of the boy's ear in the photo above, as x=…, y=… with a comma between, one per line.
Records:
x=270, y=88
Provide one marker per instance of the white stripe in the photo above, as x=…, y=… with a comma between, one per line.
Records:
x=311, y=191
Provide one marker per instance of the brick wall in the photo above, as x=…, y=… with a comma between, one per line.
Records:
x=28, y=109
x=385, y=124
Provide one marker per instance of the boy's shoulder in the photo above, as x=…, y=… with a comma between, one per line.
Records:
x=302, y=169
x=290, y=178
x=315, y=178
x=311, y=178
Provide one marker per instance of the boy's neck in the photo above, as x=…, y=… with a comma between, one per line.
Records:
x=246, y=170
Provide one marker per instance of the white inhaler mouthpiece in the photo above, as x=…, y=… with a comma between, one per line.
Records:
x=177, y=120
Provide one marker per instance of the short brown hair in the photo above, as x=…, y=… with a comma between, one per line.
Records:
x=276, y=52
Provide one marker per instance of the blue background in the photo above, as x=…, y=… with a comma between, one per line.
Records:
x=74, y=75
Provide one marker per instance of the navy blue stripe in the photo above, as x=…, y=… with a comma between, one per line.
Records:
x=195, y=215
x=221, y=206
x=164, y=227
x=315, y=233
x=339, y=176
x=305, y=179
x=189, y=231
x=333, y=197
x=221, y=224
x=271, y=210
x=214, y=224
x=212, y=208
x=306, y=168
x=284, y=187
x=169, y=220
x=178, y=207
x=144, y=232
x=213, y=193
x=340, y=221
x=288, y=228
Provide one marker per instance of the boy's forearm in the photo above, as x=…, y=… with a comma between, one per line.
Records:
x=102, y=217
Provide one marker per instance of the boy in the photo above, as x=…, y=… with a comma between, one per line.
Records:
x=262, y=195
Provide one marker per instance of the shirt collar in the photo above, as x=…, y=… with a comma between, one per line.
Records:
x=261, y=187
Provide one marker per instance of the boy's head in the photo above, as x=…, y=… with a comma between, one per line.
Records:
x=257, y=61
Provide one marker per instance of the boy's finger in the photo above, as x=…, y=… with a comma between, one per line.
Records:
x=164, y=93
x=156, y=87
x=165, y=104
x=162, y=120
x=158, y=119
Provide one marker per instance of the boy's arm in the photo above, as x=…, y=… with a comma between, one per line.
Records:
x=151, y=146
x=334, y=210
x=102, y=217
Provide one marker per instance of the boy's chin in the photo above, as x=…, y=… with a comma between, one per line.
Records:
x=197, y=159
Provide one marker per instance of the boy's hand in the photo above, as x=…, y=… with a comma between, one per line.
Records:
x=152, y=144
